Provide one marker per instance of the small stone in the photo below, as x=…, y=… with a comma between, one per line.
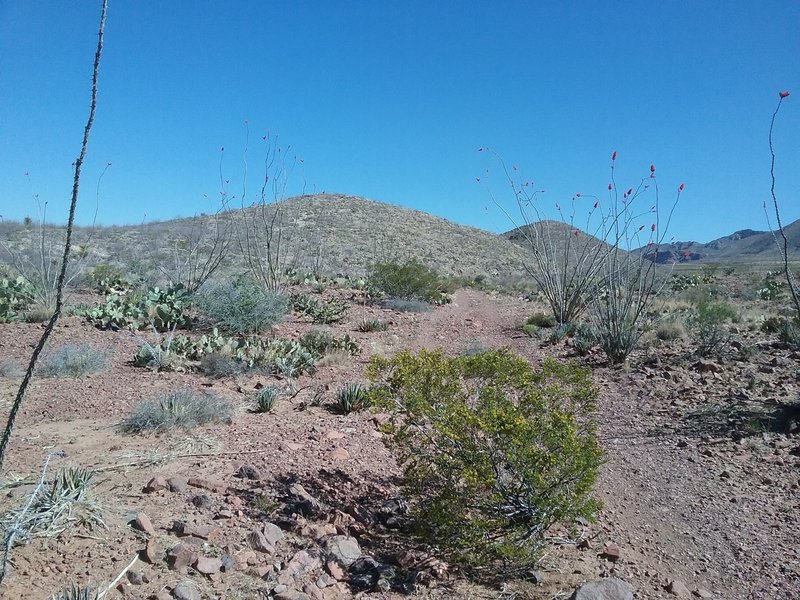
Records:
x=204, y=532
x=136, y=577
x=207, y=566
x=291, y=594
x=155, y=484
x=343, y=549
x=164, y=596
x=152, y=552
x=177, y=485
x=536, y=577
x=203, y=502
x=605, y=589
x=333, y=435
x=339, y=454
x=181, y=556
x=677, y=588
x=143, y=523
x=206, y=484
x=272, y=533
x=186, y=590
x=703, y=593
x=305, y=503
x=324, y=581
x=335, y=570
x=248, y=472
x=258, y=541
x=227, y=563
x=611, y=552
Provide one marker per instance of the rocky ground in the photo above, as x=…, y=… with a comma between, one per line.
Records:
x=700, y=495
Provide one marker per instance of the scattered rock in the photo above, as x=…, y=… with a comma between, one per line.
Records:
x=703, y=593
x=343, y=549
x=677, y=588
x=335, y=569
x=611, y=552
x=203, y=502
x=181, y=556
x=605, y=589
x=136, y=577
x=259, y=542
x=272, y=533
x=305, y=503
x=368, y=574
x=177, y=485
x=155, y=484
x=325, y=580
x=292, y=594
x=333, y=435
x=186, y=590
x=151, y=552
x=208, y=566
x=339, y=454
x=206, y=484
x=143, y=523
x=227, y=563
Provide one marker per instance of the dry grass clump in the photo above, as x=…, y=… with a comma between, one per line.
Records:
x=72, y=360
x=182, y=409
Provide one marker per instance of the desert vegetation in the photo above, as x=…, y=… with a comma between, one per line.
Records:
x=235, y=417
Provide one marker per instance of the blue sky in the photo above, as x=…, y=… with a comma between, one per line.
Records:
x=391, y=100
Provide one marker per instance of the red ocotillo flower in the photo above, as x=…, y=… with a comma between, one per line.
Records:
x=578, y=195
x=609, y=187
x=653, y=227
x=652, y=168
x=641, y=227
x=629, y=192
x=596, y=204
x=680, y=187
x=614, y=155
x=784, y=94
x=576, y=233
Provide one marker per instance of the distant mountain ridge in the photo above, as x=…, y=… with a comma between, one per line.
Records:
x=746, y=245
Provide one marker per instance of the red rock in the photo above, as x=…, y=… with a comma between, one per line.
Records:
x=339, y=454
x=152, y=552
x=207, y=484
x=336, y=571
x=143, y=523
x=611, y=552
x=181, y=556
x=155, y=484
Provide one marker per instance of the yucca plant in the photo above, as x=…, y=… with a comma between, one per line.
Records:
x=266, y=399
x=76, y=592
x=351, y=398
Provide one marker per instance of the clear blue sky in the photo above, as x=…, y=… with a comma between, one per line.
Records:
x=391, y=100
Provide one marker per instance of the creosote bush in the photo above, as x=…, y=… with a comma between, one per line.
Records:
x=494, y=451
x=707, y=323
x=409, y=280
x=72, y=360
x=241, y=306
x=182, y=409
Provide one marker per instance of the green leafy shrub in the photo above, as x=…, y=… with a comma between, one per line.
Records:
x=266, y=399
x=241, y=306
x=182, y=409
x=771, y=288
x=494, y=452
x=351, y=398
x=368, y=325
x=707, y=323
x=409, y=280
x=72, y=360
x=541, y=319
x=15, y=296
x=321, y=312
